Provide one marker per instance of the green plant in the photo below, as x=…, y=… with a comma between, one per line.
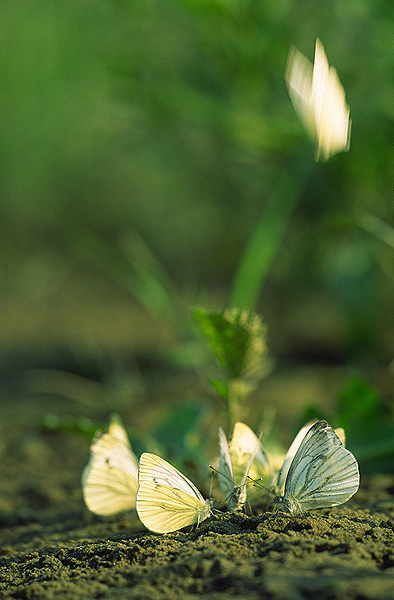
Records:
x=237, y=339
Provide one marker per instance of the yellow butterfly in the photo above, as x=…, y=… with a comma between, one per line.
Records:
x=110, y=479
x=166, y=499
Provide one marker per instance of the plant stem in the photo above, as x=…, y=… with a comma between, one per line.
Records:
x=264, y=242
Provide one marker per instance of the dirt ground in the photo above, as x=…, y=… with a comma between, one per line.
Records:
x=343, y=553
x=52, y=547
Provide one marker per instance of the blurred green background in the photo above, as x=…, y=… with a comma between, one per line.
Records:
x=140, y=142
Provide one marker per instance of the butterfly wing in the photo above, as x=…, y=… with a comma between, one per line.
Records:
x=341, y=434
x=249, y=459
x=280, y=482
x=322, y=473
x=110, y=479
x=166, y=499
x=331, y=112
x=319, y=99
x=225, y=469
x=262, y=472
x=116, y=430
x=299, y=83
x=243, y=448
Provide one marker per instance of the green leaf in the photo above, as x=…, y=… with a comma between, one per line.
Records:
x=368, y=426
x=220, y=387
x=264, y=242
x=133, y=266
x=359, y=403
x=69, y=424
x=178, y=429
x=237, y=339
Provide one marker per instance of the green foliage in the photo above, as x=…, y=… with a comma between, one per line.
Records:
x=180, y=437
x=69, y=424
x=237, y=339
x=131, y=264
x=106, y=126
x=359, y=404
x=263, y=244
x=368, y=424
x=183, y=136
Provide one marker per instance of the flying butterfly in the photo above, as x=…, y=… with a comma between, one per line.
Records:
x=236, y=460
x=110, y=479
x=166, y=499
x=319, y=99
x=318, y=472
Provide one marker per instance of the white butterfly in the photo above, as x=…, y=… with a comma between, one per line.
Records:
x=318, y=471
x=235, y=463
x=110, y=479
x=319, y=98
x=280, y=482
x=166, y=499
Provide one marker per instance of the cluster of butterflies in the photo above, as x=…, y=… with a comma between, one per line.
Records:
x=317, y=472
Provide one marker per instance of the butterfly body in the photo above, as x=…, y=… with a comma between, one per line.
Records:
x=288, y=505
x=238, y=496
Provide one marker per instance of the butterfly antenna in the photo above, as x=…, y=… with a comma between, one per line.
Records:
x=257, y=484
x=219, y=473
x=210, y=487
x=222, y=475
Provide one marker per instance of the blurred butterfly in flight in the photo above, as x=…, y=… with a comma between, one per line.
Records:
x=319, y=99
x=110, y=479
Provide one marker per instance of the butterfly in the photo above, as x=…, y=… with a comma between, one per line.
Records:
x=319, y=99
x=235, y=463
x=318, y=472
x=281, y=479
x=110, y=479
x=166, y=499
